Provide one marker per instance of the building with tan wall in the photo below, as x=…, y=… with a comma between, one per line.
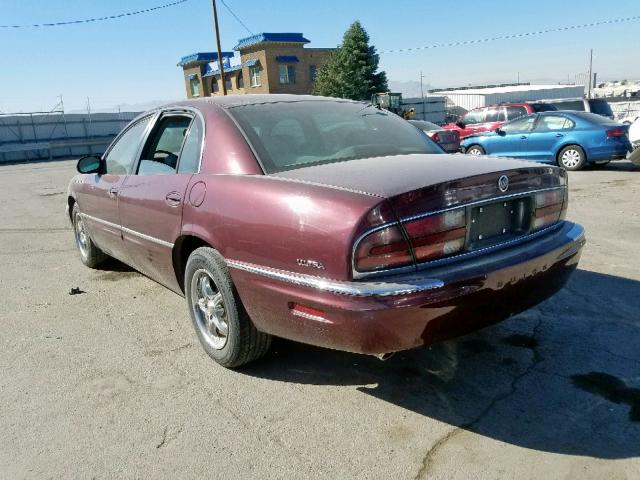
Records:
x=267, y=63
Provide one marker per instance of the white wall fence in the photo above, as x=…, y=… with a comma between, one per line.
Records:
x=49, y=135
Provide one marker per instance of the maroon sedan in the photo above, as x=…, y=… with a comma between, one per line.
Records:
x=321, y=220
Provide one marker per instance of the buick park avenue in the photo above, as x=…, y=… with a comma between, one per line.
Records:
x=324, y=221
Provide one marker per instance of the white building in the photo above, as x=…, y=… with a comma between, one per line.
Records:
x=471, y=98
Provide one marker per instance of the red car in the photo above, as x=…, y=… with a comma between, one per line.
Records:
x=487, y=119
x=321, y=220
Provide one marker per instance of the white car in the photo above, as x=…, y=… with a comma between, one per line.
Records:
x=634, y=133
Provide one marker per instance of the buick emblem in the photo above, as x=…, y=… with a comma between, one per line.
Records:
x=503, y=183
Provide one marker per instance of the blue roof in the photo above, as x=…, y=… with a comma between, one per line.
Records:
x=203, y=57
x=270, y=37
x=287, y=59
x=210, y=72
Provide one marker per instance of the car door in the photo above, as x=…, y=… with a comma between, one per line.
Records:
x=547, y=135
x=98, y=199
x=151, y=199
x=512, y=138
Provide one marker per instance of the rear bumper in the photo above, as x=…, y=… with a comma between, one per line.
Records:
x=409, y=310
x=608, y=152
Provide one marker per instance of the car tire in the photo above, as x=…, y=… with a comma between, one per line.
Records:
x=221, y=322
x=474, y=150
x=572, y=158
x=90, y=254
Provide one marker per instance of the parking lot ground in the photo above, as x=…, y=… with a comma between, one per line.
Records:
x=113, y=383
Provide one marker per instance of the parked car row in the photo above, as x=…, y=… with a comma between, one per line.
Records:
x=569, y=139
x=323, y=221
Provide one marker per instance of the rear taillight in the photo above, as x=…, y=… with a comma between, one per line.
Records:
x=550, y=207
x=382, y=249
x=437, y=235
x=616, y=132
x=435, y=137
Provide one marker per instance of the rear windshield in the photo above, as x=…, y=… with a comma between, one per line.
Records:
x=290, y=135
x=594, y=118
x=601, y=107
x=543, y=107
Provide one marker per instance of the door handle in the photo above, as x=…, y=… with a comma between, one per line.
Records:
x=113, y=192
x=173, y=199
x=559, y=135
x=523, y=137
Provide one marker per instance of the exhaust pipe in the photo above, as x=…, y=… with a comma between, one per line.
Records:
x=385, y=356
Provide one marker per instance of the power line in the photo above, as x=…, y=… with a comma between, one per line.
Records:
x=98, y=19
x=236, y=17
x=514, y=35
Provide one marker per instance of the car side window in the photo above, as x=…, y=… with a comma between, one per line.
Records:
x=161, y=153
x=190, y=156
x=553, y=122
x=515, y=112
x=122, y=155
x=473, y=117
x=520, y=125
x=495, y=115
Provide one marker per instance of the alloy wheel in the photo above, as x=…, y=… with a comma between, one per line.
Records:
x=209, y=309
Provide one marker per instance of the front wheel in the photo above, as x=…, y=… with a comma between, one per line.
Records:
x=475, y=150
x=572, y=158
x=223, y=326
x=90, y=255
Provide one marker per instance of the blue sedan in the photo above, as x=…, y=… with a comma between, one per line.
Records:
x=569, y=139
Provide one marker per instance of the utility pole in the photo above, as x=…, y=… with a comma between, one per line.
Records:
x=518, y=78
x=424, y=115
x=590, y=72
x=220, y=62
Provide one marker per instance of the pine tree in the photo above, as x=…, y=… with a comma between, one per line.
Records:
x=351, y=70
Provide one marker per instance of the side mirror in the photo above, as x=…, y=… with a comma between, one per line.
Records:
x=500, y=132
x=89, y=164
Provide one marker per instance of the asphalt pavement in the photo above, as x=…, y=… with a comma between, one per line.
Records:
x=111, y=381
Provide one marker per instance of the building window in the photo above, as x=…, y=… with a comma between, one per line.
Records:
x=313, y=73
x=214, y=85
x=227, y=82
x=287, y=74
x=240, y=80
x=254, y=73
x=195, y=87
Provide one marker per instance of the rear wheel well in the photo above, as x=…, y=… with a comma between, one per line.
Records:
x=181, y=251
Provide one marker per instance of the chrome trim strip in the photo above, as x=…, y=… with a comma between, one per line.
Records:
x=422, y=265
x=341, y=287
x=129, y=231
x=147, y=237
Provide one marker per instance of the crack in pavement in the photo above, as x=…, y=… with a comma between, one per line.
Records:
x=427, y=460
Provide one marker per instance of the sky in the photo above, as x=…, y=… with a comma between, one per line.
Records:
x=133, y=60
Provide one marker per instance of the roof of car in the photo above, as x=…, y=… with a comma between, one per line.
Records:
x=230, y=101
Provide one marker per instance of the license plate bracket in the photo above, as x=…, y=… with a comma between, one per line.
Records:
x=498, y=222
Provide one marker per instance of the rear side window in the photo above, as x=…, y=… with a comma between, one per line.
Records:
x=495, y=115
x=601, y=107
x=473, y=117
x=577, y=105
x=543, y=107
x=190, y=156
x=553, y=122
x=516, y=112
x=120, y=158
